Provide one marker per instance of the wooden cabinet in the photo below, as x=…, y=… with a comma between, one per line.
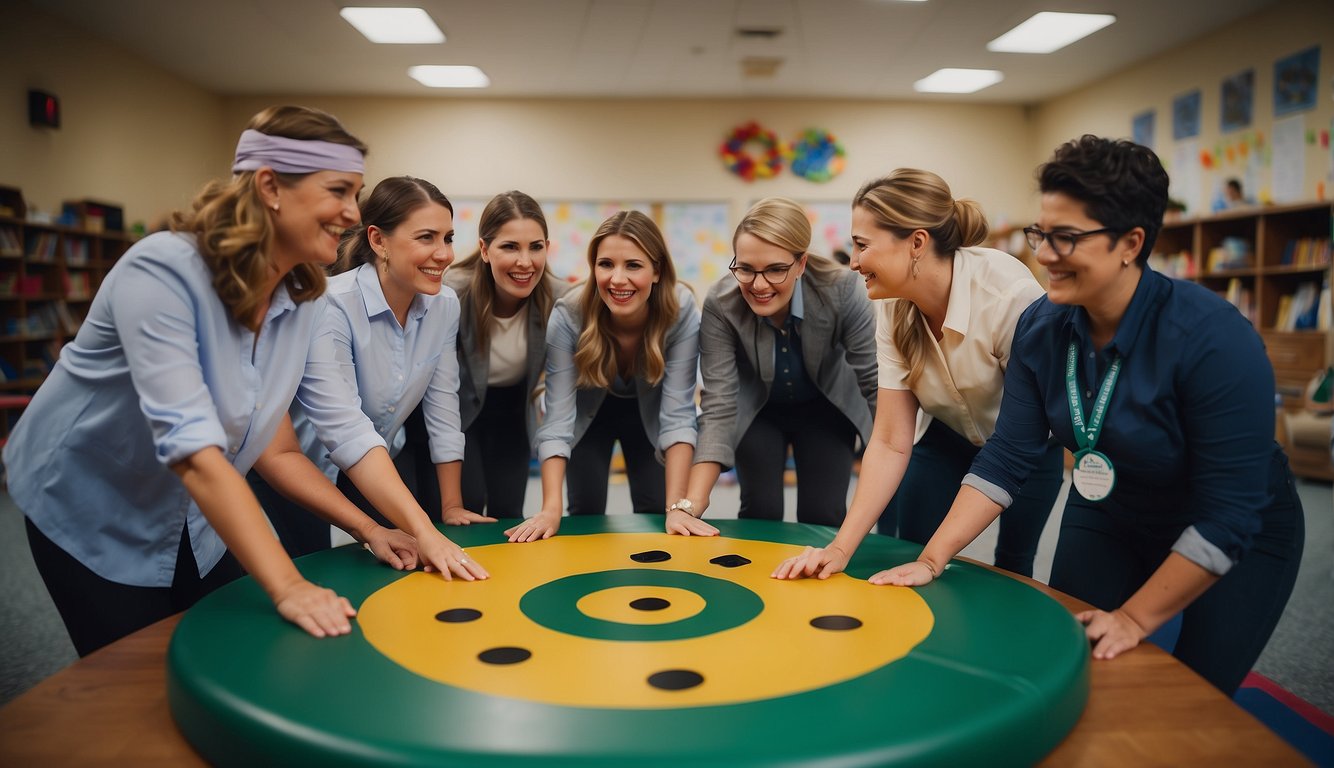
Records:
x=48, y=276
x=1273, y=263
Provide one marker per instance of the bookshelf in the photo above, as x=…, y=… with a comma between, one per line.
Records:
x=48, y=276
x=1273, y=263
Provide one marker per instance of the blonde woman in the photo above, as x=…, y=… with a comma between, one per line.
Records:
x=943, y=338
x=787, y=355
x=130, y=462
x=622, y=350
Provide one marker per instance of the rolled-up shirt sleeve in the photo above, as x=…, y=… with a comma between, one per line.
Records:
x=676, y=413
x=328, y=394
x=441, y=402
x=556, y=434
x=156, y=317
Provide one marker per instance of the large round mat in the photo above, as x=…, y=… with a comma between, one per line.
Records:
x=615, y=644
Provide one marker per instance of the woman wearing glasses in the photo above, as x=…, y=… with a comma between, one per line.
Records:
x=787, y=354
x=943, y=342
x=1183, y=502
x=621, y=356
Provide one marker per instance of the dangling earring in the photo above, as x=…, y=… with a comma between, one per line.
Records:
x=384, y=260
x=915, y=265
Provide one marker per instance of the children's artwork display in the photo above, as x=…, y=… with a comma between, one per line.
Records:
x=1141, y=128
x=1186, y=115
x=1296, y=79
x=572, y=224
x=699, y=239
x=831, y=225
x=1238, y=97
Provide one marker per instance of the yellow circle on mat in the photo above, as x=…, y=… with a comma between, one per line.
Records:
x=778, y=653
x=615, y=604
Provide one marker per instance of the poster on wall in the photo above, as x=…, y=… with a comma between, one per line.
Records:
x=1186, y=116
x=467, y=214
x=1296, y=79
x=831, y=225
x=1141, y=128
x=1184, y=177
x=1238, y=97
x=699, y=240
x=1289, y=159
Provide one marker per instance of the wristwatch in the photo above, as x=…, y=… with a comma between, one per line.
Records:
x=683, y=504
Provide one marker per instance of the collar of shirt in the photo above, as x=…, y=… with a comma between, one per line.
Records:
x=1151, y=292
x=960, y=305
x=795, y=308
x=280, y=302
x=373, y=295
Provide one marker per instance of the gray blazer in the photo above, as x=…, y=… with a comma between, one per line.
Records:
x=736, y=358
x=475, y=362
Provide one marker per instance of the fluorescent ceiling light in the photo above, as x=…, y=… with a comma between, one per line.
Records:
x=1047, y=31
x=394, y=25
x=957, y=80
x=449, y=76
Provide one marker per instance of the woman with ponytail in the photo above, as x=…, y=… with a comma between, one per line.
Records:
x=787, y=354
x=390, y=331
x=943, y=338
x=622, y=350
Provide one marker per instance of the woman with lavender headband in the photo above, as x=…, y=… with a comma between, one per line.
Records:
x=129, y=463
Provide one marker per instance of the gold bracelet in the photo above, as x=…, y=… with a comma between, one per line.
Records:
x=930, y=568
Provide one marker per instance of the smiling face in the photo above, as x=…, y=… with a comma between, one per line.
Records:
x=764, y=298
x=625, y=276
x=311, y=216
x=415, y=254
x=517, y=257
x=883, y=259
x=1093, y=274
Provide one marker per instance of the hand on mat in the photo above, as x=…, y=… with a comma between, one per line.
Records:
x=1112, y=634
x=543, y=525
x=461, y=516
x=392, y=547
x=319, y=611
x=440, y=554
x=813, y=562
x=686, y=524
x=915, y=574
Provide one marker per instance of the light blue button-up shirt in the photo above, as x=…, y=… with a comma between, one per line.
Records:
x=159, y=371
x=392, y=367
x=667, y=409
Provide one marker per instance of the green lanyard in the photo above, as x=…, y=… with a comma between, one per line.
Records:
x=1087, y=436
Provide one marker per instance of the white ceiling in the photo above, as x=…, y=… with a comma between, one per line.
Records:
x=639, y=48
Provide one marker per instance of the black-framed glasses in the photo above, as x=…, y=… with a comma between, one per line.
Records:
x=773, y=275
x=1063, y=243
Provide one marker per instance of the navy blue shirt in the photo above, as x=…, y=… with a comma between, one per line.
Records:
x=791, y=385
x=1189, y=428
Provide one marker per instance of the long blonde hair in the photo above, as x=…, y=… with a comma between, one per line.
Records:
x=501, y=210
x=595, y=357
x=903, y=202
x=783, y=223
x=234, y=230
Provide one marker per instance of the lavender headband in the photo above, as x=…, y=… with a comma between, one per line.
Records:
x=256, y=150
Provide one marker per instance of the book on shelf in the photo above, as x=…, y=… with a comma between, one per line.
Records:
x=1239, y=295
x=42, y=247
x=1299, y=310
x=1307, y=252
x=78, y=285
x=1178, y=265
x=1232, y=253
x=76, y=251
x=10, y=247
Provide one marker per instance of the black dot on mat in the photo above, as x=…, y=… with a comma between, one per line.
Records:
x=649, y=604
x=505, y=655
x=458, y=615
x=730, y=561
x=651, y=556
x=675, y=679
x=835, y=622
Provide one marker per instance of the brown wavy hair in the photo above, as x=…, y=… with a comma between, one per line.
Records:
x=234, y=230
x=595, y=355
x=902, y=203
x=501, y=210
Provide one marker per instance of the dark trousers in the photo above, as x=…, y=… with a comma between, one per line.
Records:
x=1103, y=559
x=497, y=453
x=822, y=441
x=589, y=468
x=939, y=461
x=98, y=612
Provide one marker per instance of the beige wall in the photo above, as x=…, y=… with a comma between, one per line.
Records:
x=130, y=133
x=667, y=150
x=1107, y=107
